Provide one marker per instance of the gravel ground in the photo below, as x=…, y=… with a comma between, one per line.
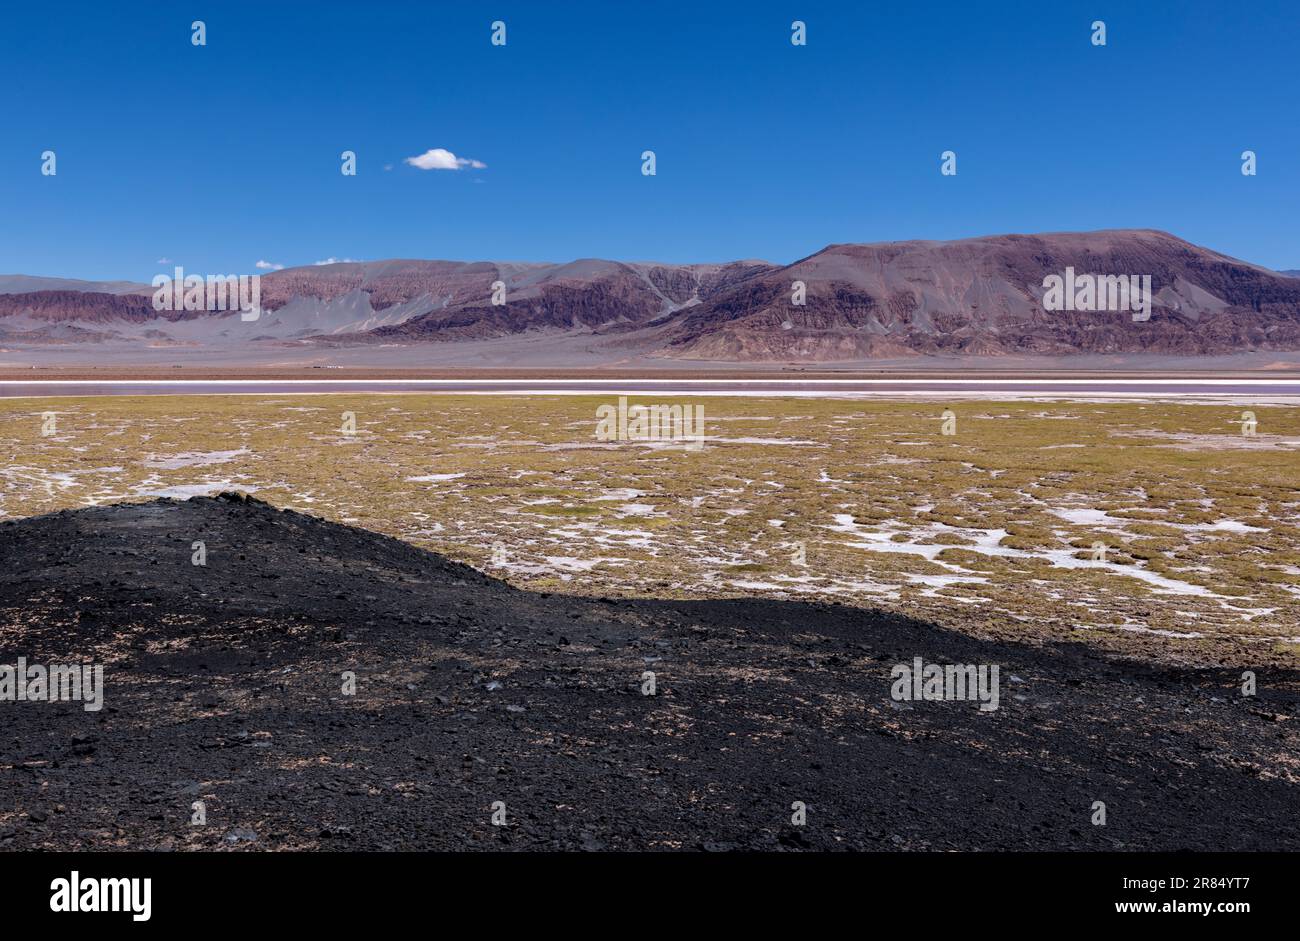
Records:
x=225, y=684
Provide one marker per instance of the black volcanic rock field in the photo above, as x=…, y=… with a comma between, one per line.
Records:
x=223, y=685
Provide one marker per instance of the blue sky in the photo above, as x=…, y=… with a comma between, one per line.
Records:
x=221, y=156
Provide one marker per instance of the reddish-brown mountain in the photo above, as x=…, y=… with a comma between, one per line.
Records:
x=980, y=297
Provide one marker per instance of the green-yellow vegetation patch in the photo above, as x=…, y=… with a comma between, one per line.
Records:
x=831, y=499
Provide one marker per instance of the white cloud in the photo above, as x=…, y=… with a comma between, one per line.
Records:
x=338, y=261
x=163, y=261
x=268, y=266
x=439, y=159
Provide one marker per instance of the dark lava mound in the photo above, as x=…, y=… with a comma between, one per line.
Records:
x=223, y=684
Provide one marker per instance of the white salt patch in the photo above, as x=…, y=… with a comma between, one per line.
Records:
x=986, y=543
x=1230, y=526
x=793, y=441
x=193, y=459
x=1142, y=629
x=754, y=586
x=943, y=581
x=569, y=562
x=1084, y=517
x=185, y=491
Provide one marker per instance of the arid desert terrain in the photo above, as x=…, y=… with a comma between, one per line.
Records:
x=417, y=612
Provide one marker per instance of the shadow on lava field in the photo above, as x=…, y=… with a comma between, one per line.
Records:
x=226, y=688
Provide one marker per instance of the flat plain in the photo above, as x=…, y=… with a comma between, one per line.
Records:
x=1156, y=528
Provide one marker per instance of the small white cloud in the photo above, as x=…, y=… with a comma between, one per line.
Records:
x=439, y=159
x=268, y=266
x=163, y=261
x=338, y=261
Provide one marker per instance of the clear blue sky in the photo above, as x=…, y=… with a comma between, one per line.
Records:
x=220, y=156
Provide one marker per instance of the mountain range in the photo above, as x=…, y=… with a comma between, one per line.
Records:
x=974, y=297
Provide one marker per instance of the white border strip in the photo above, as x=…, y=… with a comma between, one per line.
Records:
x=731, y=382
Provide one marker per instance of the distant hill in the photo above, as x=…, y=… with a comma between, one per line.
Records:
x=25, y=284
x=977, y=297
